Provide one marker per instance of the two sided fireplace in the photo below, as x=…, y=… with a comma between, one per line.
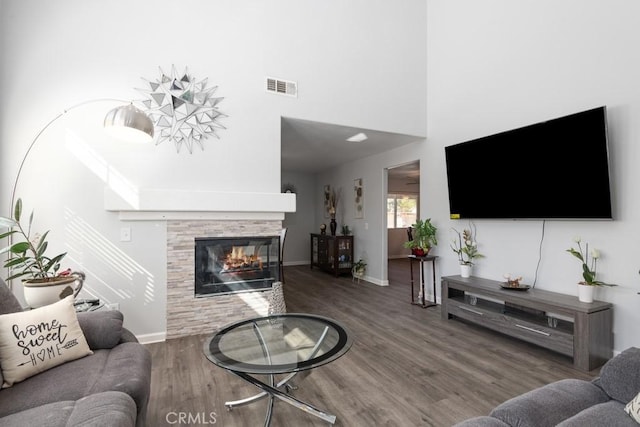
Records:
x=226, y=265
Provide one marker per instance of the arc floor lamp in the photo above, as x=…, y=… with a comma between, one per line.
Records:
x=125, y=122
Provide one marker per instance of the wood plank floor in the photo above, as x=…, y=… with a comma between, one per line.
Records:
x=407, y=367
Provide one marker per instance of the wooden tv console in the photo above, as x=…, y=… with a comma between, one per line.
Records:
x=555, y=321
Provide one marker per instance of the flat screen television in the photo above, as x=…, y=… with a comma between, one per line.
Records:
x=557, y=169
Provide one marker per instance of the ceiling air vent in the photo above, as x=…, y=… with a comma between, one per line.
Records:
x=282, y=87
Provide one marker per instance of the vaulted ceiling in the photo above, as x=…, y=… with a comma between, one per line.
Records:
x=311, y=147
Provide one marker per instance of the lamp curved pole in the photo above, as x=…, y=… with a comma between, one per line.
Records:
x=52, y=121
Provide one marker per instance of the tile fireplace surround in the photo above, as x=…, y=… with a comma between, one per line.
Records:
x=188, y=315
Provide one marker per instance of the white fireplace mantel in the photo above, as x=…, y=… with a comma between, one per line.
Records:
x=170, y=204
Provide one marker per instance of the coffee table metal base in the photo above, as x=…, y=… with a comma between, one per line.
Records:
x=273, y=392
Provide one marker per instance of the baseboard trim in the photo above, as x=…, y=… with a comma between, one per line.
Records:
x=374, y=281
x=287, y=263
x=152, y=338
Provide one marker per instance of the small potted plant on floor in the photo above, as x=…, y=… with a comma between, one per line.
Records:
x=359, y=269
x=28, y=260
x=422, y=237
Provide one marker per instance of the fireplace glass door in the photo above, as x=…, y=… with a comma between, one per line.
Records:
x=225, y=265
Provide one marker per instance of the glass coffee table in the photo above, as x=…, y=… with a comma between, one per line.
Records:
x=288, y=344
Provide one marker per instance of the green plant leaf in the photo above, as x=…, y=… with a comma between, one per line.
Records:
x=30, y=223
x=15, y=276
x=14, y=261
x=42, y=240
x=7, y=234
x=575, y=254
x=20, y=247
x=588, y=275
x=54, y=262
x=18, y=210
x=42, y=246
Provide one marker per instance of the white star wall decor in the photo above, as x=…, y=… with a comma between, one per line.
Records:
x=182, y=109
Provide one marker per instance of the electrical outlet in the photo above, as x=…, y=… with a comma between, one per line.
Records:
x=113, y=306
x=125, y=234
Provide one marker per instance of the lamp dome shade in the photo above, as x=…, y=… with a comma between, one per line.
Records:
x=129, y=123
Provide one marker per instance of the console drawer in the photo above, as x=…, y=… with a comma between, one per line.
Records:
x=490, y=316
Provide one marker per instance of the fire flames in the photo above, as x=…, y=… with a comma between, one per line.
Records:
x=237, y=259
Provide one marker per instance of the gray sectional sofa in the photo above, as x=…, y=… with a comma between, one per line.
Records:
x=573, y=402
x=107, y=388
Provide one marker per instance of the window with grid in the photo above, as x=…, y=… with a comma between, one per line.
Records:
x=402, y=210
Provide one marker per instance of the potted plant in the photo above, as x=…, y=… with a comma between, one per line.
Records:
x=589, y=260
x=466, y=247
x=358, y=269
x=27, y=259
x=423, y=237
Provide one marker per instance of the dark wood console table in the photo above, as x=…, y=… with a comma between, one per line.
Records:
x=555, y=321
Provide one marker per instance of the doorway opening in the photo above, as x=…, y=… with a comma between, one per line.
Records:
x=402, y=208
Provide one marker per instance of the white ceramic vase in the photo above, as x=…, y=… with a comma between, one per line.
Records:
x=465, y=270
x=585, y=293
x=38, y=293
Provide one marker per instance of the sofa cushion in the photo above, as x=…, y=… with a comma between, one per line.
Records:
x=610, y=413
x=620, y=376
x=8, y=301
x=102, y=329
x=36, y=340
x=8, y=304
x=633, y=408
x=125, y=368
x=550, y=404
x=110, y=408
x=482, y=422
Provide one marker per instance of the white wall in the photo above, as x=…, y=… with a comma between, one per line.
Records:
x=301, y=222
x=499, y=64
x=360, y=63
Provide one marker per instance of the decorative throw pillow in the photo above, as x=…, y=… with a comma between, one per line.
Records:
x=633, y=408
x=36, y=340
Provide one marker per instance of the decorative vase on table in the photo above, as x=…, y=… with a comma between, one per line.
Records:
x=585, y=293
x=465, y=270
x=420, y=252
x=333, y=225
x=277, y=303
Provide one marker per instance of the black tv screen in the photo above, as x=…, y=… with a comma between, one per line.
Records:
x=557, y=169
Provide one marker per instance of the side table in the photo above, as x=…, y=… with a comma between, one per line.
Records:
x=421, y=299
